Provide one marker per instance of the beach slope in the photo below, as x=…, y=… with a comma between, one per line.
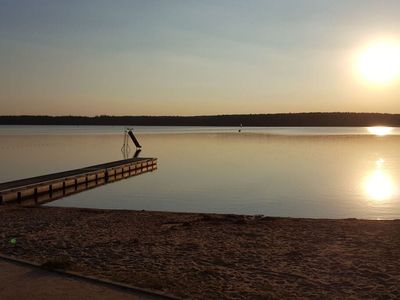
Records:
x=212, y=256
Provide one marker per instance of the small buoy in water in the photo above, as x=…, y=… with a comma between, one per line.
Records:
x=13, y=241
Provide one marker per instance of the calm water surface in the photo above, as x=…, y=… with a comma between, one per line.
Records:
x=297, y=172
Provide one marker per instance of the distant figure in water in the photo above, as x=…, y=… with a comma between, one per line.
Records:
x=240, y=130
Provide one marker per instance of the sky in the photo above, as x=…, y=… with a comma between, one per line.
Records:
x=82, y=57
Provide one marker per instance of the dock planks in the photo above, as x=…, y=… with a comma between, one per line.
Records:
x=60, y=184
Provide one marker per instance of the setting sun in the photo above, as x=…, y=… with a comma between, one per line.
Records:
x=379, y=63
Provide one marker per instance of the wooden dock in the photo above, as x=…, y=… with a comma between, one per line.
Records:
x=41, y=189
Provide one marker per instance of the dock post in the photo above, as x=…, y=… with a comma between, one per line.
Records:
x=35, y=195
x=19, y=197
x=50, y=190
x=105, y=175
x=1, y=199
x=64, y=186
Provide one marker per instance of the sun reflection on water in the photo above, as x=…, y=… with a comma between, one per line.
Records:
x=380, y=130
x=379, y=185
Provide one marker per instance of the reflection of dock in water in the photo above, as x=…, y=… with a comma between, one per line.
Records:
x=42, y=189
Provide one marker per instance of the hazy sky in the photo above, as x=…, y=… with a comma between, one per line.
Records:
x=190, y=57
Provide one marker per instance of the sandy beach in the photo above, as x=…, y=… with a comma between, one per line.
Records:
x=212, y=256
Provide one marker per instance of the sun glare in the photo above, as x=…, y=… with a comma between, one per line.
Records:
x=380, y=130
x=379, y=185
x=379, y=63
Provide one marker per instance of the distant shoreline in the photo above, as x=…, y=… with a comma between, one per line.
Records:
x=320, y=119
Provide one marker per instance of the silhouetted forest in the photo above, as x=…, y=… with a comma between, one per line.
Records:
x=282, y=119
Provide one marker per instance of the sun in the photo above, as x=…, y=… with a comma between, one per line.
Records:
x=379, y=62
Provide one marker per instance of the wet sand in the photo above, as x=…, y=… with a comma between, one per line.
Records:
x=210, y=256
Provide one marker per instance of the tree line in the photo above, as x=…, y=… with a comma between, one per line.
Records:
x=339, y=119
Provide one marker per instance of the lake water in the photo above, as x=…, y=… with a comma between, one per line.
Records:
x=296, y=172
